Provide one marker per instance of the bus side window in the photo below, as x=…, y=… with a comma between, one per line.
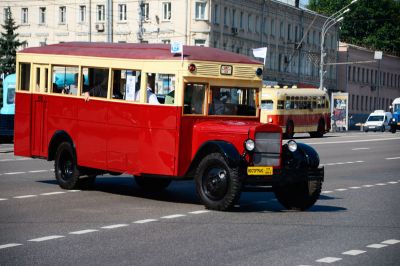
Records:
x=25, y=76
x=194, y=98
x=163, y=85
x=65, y=79
x=288, y=104
x=267, y=104
x=280, y=105
x=97, y=84
x=126, y=84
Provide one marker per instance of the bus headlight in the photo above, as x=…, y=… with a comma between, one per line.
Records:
x=292, y=145
x=249, y=145
x=393, y=119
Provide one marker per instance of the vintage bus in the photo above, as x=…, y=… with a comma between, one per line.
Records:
x=204, y=123
x=296, y=110
x=7, y=108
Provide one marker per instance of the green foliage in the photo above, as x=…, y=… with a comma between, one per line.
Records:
x=374, y=24
x=9, y=45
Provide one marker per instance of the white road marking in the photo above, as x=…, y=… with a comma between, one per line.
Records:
x=358, y=149
x=2, y=199
x=351, y=141
x=145, y=221
x=10, y=245
x=205, y=211
x=390, y=241
x=328, y=259
x=53, y=193
x=393, y=182
x=25, y=196
x=354, y=252
x=380, y=184
x=45, y=238
x=393, y=158
x=12, y=160
x=73, y=190
x=114, y=226
x=173, y=216
x=340, y=163
x=326, y=192
x=83, y=232
x=376, y=246
x=368, y=185
x=14, y=173
x=341, y=189
x=354, y=187
x=38, y=171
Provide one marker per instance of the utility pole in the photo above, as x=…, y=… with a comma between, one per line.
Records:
x=109, y=21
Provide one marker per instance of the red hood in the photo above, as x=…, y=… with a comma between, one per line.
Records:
x=234, y=127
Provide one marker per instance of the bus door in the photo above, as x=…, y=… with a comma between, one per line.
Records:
x=38, y=133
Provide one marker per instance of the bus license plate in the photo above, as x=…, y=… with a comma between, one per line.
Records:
x=259, y=170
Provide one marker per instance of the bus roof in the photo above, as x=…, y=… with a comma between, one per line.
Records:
x=139, y=51
x=295, y=91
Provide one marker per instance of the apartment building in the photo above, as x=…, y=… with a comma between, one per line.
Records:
x=371, y=84
x=292, y=34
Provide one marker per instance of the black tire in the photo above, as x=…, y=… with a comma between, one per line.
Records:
x=393, y=129
x=152, y=183
x=383, y=128
x=87, y=182
x=298, y=196
x=320, y=130
x=365, y=130
x=65, y=166
x=217, y=184
x=289, y=129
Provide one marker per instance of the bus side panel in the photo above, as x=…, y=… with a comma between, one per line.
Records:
x=22, y=124
x=142, y=138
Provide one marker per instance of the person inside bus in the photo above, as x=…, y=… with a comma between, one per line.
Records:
x=217, y=105
x=73, y=88
x=99, y=90
x=151, y=97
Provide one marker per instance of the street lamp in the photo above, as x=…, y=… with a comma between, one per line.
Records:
x=332, y=20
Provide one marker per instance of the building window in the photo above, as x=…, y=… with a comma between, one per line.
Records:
x=145, y=11
x=62, y=14
x=234, y=18
x=281, y=29
x=265, y=25
x=166, y=41
x=225, y=16
x=289, y=32
x=257, y=24
x=199, y=42
x=122, y=12
x=42, y=15
x=362, y=103
x=24, y=15
x=166, y=10
x=7, y=13
x=200, y=10
x=241, y=20
x=249, y=23
x=101, y=13
x=216, y=14
x=82, y=13
x=273, y=27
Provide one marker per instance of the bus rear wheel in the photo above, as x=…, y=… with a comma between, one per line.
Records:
x=217, y=184
x=65, y=166
x=320, y=130
x=289, y=129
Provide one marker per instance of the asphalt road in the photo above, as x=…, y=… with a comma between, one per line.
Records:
x=355, y=222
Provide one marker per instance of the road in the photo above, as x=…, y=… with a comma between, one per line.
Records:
x=355, y=222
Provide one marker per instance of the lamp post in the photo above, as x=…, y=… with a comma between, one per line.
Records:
x=330, y=21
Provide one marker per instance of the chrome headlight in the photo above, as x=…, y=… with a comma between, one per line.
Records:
x=249, y=145
x=292, y=145
x=394, y=119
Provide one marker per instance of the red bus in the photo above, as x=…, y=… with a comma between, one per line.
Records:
x=296, y=110
x=138, y=109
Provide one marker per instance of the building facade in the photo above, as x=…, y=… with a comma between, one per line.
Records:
x=292, y=34
x=371, y=84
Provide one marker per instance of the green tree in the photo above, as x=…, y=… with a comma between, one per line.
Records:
x=374, y=24
x=9, y=44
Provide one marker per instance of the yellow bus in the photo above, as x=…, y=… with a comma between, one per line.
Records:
x=296, y=110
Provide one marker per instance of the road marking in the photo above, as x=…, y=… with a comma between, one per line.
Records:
x=328, y=259
x=12, y=160
x=114, y=226
x=38, y=171
x=368, y=185
x=173, y=216
x=391, y=241
x=358, y=149
x=340, y=163
x=14, y=173
x=205, y=211
x=351, y=141
x=376, y=246
x=380, y=184
x=73, y=190
x=53, y=193
x=341, y=189
x=10, y=245
x=83, y=232
x=393, y=182
x=354, y=187
x=45, y=238
x=145, y=221
x=393, y=158
x=2, y=199
x=25, y=196
x=326, y=192
x=354, y=252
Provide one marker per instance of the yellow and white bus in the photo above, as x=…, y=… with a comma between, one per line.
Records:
x=296, y=110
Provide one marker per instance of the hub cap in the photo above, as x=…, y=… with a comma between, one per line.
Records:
x=215, y=183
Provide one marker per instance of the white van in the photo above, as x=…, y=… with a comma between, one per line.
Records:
x=378, y=121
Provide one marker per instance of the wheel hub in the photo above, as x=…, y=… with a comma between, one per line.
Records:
x=215, y=183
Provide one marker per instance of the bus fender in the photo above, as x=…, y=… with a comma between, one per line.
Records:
x=226, y=149
x=59, y=137
x=305, y=157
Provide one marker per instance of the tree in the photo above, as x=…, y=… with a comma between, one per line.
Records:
x=9, y=44
x=374, y=24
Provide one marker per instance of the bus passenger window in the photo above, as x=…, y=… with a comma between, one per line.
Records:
x=288, y=104
x=163, y=86
x=65, y=79
x=280, y=105
x=25, y=74
x=126, y=85
x=267, y=105
x=97, y=81
x=194, y=98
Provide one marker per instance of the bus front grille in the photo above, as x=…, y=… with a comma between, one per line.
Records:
x=267, y=149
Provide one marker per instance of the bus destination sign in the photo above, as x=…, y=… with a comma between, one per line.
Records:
x=226, y=70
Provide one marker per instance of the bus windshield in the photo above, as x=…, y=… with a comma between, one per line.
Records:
x=396, y=108
x=232, y=101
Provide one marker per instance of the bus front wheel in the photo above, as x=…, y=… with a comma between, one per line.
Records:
x=218, y=185
x=65, y=166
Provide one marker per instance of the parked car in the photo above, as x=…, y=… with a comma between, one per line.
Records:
x=378, y=121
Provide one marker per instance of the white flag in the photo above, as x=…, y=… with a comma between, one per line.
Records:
x=260, y=52
x=176, y=47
